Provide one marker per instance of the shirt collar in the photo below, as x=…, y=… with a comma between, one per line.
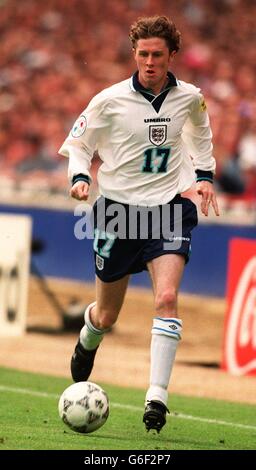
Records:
x=136, y=85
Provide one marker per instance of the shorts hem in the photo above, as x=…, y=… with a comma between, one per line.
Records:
x=117, y=277
x=157, y=255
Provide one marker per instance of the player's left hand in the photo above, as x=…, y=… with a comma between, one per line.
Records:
x=206, y=190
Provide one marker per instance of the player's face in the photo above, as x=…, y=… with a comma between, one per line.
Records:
x=153, y=60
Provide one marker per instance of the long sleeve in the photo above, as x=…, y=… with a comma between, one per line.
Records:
x=84, y=138
x=197, y=136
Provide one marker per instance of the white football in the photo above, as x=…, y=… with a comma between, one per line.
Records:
x=84, y=407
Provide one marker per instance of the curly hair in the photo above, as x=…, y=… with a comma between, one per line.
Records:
x=156, y=26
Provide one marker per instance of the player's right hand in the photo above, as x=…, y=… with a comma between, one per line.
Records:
x=80, y=191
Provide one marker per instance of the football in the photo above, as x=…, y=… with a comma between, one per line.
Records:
x=84, y=407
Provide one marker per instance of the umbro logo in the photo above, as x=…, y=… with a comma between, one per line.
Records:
x=158, y=119
x=173, y=327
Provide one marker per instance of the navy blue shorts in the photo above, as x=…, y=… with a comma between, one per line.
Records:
x=127, y=237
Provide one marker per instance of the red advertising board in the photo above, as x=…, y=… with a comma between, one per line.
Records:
x=239, y=352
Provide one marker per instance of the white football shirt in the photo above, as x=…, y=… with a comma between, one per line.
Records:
x=149, y=153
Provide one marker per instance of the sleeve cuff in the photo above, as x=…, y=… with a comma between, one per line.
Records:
x=81, y=177
x=202, y=175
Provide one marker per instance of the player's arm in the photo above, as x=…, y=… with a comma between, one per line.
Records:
x=198, y=138
x=80, y=145
x=80, y=187
x=206, y=190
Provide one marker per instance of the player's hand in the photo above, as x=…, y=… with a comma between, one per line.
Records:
x=206, y=190
x=80, y=191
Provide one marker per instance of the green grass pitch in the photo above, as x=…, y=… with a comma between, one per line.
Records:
x=30, y=420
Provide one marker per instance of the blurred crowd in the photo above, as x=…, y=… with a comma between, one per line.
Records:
x=56, y=54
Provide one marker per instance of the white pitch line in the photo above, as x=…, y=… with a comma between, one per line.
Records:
x=213, y=421
x=24, y=391
x=189, y=417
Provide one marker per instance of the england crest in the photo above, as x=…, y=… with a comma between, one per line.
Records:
x=158, y=134
x=99, y=262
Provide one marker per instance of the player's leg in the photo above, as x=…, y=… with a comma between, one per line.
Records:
x=109, y=297
x=99, y=317
x=166, y=273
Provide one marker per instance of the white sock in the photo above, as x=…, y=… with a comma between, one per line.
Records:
x=166, y=333
x=90, y=337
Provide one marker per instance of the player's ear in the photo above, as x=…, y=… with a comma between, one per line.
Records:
x=171, y=56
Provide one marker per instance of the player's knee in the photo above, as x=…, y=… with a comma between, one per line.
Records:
x=104, y=321
x=166, y=301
